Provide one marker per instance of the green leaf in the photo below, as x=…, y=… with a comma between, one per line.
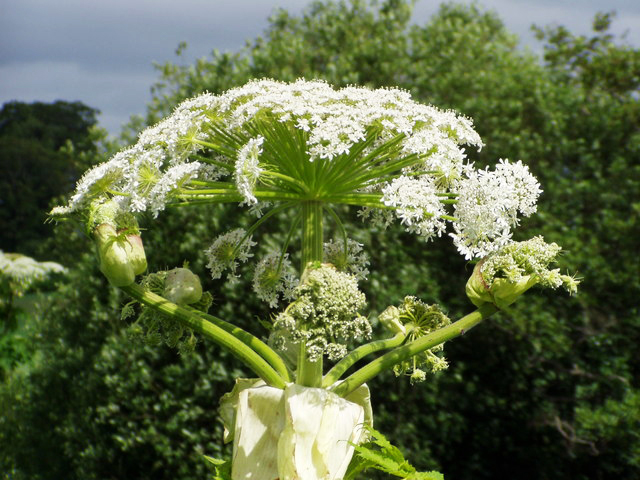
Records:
x=387, y=458
x=222, y=467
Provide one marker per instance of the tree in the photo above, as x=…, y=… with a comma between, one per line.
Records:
x=43, y=148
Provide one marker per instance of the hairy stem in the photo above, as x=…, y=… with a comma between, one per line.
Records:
x=257, y=345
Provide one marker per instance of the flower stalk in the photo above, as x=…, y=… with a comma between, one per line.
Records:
x=310, y=372
x=400, y=354
x=222, y=337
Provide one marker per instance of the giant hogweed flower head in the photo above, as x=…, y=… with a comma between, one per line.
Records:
x=324, y=315
x=268, y=143
x=501, y=277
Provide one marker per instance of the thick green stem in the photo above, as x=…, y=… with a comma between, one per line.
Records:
x=359, y=353
x=401, y=354
x=219, y=335
x=257, y=345
x=310, y=373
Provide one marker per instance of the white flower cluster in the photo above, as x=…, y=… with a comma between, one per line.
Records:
x=324, y=315
x=354, y=260
x=20, y=271
x=273, y=279
x=226, y=251
x=248, y=169
x=488, y=204
x=416, y=204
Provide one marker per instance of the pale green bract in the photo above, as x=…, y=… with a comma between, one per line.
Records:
x=503, y=276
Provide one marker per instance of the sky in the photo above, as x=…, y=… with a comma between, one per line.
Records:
x=101, y=52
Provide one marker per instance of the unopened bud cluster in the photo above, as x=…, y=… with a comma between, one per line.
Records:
x=325, y=314
x=503, y=276
x=415, y=319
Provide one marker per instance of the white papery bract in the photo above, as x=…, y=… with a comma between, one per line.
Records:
x=488, y=204
x=299, y=433
x=416, y=204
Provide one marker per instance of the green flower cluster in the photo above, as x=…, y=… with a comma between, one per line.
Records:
x=416, y=319
x=501, y=277
x=324, y=315
x=179, y=286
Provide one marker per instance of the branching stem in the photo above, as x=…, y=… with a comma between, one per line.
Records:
x=400, y=354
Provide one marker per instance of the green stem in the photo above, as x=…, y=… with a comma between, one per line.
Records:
x=251, y=341
x=358, y=354
x=219, y=335
x=400, y=354
x=286, y=178
x=310, y=373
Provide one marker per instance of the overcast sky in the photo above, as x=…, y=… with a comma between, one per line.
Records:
x=101, y=52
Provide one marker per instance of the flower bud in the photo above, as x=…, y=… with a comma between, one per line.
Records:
x=390, y=318
x=499, y=291
x=182, y=286
x=114, y=253
x=137, y=256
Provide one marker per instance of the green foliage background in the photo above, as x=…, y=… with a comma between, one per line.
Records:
x=548, y=389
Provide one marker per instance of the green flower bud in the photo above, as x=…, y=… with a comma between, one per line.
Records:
x=182, y=286
x=137, y=256
x=114, y=252
x=502, y=292
x=390, y=318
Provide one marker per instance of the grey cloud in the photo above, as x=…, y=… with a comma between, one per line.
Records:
x=101, y=52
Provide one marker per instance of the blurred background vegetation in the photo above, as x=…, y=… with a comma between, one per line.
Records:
x=549, y=389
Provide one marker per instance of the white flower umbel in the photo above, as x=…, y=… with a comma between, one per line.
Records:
x=353, y=260
x=226, y=251
x=299, y=433
x=488, y=204
x=20, y=271
x=248, y=169
x=273, y=279
x=416, y=204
